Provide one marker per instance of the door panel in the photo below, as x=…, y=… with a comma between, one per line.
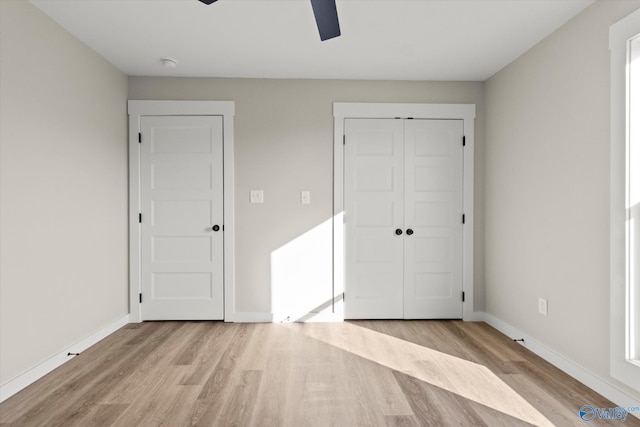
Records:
x=433, y=210
x=403, y=174
x=181, y=199
x=374, y=153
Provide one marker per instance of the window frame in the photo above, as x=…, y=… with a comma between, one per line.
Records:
x=622, y=367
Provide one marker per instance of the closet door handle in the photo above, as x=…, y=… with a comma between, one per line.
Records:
x=215, y=227
x=409, y=232
x=398, y=231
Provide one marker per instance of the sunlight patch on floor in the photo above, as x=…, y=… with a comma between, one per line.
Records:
x=462, y=377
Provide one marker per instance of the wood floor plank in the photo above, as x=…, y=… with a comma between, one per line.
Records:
x=47, y=388
x=99, y=384
x=361, y=373
x=152, y=407
x=216, y=389
x=217, y=340
x=197, y=339
x=255, y=357
x=422, y=405
x=227, y=364
x=401, y=421
x=367, y=362
x=72, y=398
x=555, y=409
x=270, y=405
x=178, y=408
x=156, y=364
x=102, y=415
x=241, y=402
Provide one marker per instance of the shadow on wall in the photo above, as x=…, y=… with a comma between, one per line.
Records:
x=302, y=276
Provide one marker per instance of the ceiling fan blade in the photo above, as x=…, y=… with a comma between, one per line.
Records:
x=326, y=18
x=208, y=1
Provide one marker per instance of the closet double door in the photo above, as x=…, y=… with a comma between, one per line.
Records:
x=403, y=190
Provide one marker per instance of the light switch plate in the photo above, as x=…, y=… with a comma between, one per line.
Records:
x=257, y=196
x=305, y=197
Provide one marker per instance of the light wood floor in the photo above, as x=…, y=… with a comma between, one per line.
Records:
x=364, y=373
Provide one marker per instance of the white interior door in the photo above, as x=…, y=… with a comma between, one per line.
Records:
x=403, y=202
x=433, y=210
x=181, y=185
x=374, y=156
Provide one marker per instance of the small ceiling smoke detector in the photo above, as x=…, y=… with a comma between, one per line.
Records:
x=168, y=62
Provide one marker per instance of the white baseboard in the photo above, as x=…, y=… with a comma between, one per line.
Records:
x=256, y=317
x=16, y=384
x=586, y=377
x=251, y=317
x=324, y=317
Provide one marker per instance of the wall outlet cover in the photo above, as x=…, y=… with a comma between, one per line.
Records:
x=305, y=197
x=543, y=306
x=257, y=196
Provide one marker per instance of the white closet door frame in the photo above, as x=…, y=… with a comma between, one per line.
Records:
x=138, y=109
x=342, y=111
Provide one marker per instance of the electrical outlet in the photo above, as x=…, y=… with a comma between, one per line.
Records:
x=305, y=197
x=543, y=306
x=257, y=196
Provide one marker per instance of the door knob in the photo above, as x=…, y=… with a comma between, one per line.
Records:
x=398, y=231
x=409, y=232
x=216, y=227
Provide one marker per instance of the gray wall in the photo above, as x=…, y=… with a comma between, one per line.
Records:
x=284, y=144
x=63, y=190
x=547, y=189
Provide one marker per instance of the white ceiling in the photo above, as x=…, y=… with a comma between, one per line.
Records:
x=381, y=39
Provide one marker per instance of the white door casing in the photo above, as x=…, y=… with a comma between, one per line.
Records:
x=465, y=114
x=170, y=211
x=181, y=188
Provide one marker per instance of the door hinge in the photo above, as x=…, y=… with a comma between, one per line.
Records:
x=140, y=297
x=140, y=218
x=344, y=139
x=139, y=137
x=462, y=296
x=464, y=141
x=463, y=218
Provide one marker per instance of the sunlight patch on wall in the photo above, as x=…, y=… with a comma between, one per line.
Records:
x=302, y=276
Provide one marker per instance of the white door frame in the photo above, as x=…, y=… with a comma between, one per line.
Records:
x=342, y=111
x=136, y=110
